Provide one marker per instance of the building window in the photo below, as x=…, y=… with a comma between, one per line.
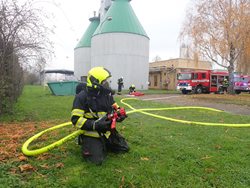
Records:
x=155, y=80
x=203, y=75
x=195, y=75
x=220, y=79
x=214, y=81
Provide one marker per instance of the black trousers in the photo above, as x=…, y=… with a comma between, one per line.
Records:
x=119, y=87
x=224, y=88
x=95, y=149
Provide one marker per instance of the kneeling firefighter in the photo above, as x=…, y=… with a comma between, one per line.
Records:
x=95, y=111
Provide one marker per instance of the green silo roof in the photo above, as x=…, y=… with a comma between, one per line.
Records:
x=123, y=20
x=86, y=38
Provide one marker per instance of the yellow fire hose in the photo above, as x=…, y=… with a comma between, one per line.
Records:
x=44, y=149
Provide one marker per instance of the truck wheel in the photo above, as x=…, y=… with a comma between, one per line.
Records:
x=184, y=92
x=198, y=90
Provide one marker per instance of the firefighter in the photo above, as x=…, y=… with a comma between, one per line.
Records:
x=132, y=89
x=225, y=85
x=89, y=113
x=120, y=85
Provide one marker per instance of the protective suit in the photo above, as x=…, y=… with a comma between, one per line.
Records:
x=90, y=113
x=120, y=85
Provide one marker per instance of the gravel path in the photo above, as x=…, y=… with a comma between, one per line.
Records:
x=185, y=100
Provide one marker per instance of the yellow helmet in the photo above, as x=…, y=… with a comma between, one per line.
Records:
x=97, y=77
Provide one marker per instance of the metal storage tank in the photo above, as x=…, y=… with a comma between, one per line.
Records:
x=121, y=45
x=82, y=51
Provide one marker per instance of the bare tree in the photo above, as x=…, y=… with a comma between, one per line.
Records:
x=24, y=39
x=23, y=26
x=217, y=30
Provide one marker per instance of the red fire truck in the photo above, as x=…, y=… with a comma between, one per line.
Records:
x=201, y=81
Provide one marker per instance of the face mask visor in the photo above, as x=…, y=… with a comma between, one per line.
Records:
x=106, y=83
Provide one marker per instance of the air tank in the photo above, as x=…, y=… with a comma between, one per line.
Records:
x=121, y=45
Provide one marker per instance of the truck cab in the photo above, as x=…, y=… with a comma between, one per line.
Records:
x=196, y=82
x=184, y=82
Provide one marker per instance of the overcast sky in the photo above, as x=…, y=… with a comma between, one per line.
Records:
x=161, y=19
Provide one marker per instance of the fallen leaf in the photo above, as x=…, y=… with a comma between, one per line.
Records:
x=13, y=170
x=144, y=159
x=26, y=167
x=45, y=166
x=122, y=182
x=22, y=158
x=217, y=146
x=206, y=157
x=209, y=170
x=117, y=170
x=59, y=165
x=44, y=156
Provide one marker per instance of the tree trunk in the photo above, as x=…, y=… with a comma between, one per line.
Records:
x=231, y=70
x=231, y=80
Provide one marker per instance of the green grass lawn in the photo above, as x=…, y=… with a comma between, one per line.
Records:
x=162, y=153
x=38, y=104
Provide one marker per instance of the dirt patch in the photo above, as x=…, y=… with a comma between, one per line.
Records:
x=217, y=102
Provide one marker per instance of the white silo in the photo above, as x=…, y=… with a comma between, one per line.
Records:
x=82, y=51
x=121, y=45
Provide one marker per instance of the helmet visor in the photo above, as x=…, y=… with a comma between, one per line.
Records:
x=106, y=83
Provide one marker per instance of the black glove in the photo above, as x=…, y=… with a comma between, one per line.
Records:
x=102, y=125
x=121, y=118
